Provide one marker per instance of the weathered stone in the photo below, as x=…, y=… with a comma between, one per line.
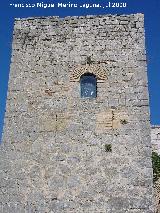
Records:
x=53, y=156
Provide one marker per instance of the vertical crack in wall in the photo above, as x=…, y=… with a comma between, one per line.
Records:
x=56, y=128
x=112, y=118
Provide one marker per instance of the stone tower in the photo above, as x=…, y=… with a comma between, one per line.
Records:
x=71, y=144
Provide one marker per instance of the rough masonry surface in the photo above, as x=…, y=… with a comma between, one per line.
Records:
x=155, y=138
x=53, y=156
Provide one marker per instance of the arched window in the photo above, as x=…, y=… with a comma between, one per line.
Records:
x=88, y=83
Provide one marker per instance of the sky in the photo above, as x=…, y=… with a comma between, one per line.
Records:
x=151, y=10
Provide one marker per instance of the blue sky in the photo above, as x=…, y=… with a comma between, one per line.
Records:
x=151, y=9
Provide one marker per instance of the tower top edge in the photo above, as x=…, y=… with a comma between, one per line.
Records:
x=137, y=15
x=155, y=126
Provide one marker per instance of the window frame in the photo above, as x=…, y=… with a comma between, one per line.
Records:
x=94, y=79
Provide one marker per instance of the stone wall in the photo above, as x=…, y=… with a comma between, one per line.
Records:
x=54, y=155
x=157, y=195
x=155, y=138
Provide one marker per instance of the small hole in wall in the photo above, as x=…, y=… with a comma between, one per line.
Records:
x=108, y=147
x=124, y=121
x=54, y=198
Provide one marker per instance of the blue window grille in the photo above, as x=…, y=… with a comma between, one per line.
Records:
x=88, y=83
